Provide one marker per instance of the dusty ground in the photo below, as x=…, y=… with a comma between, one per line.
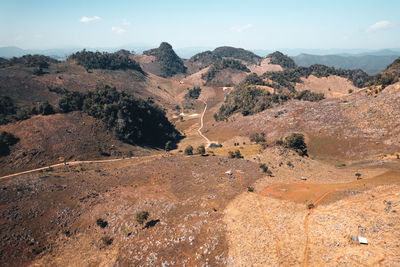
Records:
x=331, y=86
x=47, y=217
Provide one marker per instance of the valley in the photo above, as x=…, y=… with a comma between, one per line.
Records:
x=298, y=162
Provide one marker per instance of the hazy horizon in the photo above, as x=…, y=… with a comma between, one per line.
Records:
x=253, y=25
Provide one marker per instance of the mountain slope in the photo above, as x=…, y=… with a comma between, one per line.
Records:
x=170, y=63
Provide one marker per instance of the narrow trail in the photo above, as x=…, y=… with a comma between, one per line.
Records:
x=72, y=163
x=202, y=124
x=307, y=249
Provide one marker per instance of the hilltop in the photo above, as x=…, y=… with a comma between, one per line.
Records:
x=205, y=59
x=170, y=63
x=309, y=149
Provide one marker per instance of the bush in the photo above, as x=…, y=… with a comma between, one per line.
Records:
x=265, y=169
x=296, y=142
x=250, y=189
x=142, y=216
x=201, y=150
x=188, y=150
x=235, y=154
x=102, y=223
x=7, y=140
x=258, y=137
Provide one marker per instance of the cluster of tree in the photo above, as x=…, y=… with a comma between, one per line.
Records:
x=249, y=99
x=170, y=62
x=201, y=150
x=258, y=137
x=235, y=154
x=307, y=95
x=6, y=141
x=209, y=57
x=293, y=73
x=193, y=93
x=190, y=97
x=132, y=120
x=110, y=61
x=289, y=77
x=35, y=61
x=296, y=142
x=10, y=112
x=221, y=65
x=39, y=62
x=283, y=60
x=387, y=77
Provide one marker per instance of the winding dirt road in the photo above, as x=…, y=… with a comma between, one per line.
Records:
x=71, y=163
x=202, y=124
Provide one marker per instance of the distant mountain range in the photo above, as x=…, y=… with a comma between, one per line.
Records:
x=371, y=64
x=371, y=61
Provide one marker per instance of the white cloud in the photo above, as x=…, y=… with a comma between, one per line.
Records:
x=380, y=25
x=126, y=22
x=242, y=28
x=85, y=19
x=118, y=30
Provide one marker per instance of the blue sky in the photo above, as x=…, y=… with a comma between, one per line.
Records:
x=252, y=24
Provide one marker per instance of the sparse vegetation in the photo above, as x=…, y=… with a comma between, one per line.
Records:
x=107, y=240
x=142, y=216
x=235, y=154
x=265, y=169
x=258, y=137
x=221, y=65
x=190, y=97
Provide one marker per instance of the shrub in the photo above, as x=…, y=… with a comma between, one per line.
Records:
x=107, y=240
x=235, y=154
x=142, y=216
x=102, y=223
x=296, y=142
x=201, y=150
x=258, y=137
x=250, y=189
x=188, y=150
x=358, y=175
x=265, y=169
x=7, y=140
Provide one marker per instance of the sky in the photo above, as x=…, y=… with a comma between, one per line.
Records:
x=251, y=24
